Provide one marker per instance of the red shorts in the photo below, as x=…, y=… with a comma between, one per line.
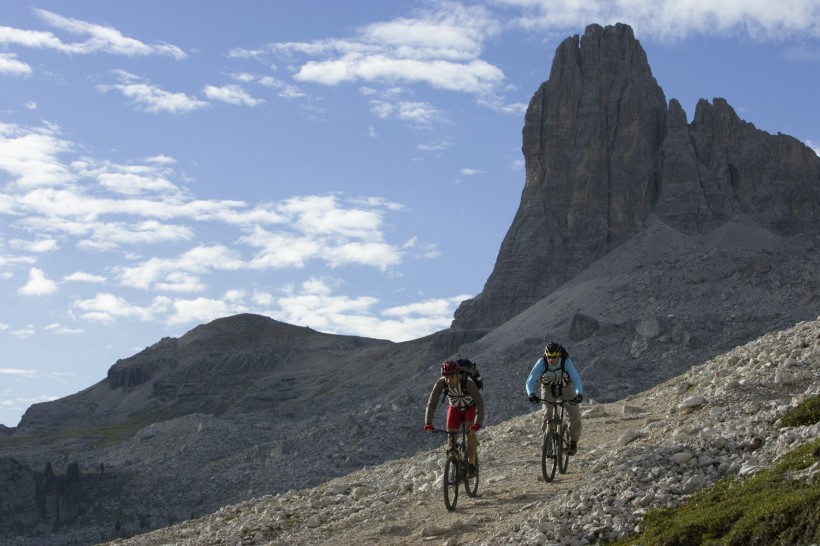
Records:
x=456, y=415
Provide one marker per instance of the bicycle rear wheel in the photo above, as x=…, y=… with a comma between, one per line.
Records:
x=563, y=449
x=549, y=459
x=450, y=482
x=471, y=484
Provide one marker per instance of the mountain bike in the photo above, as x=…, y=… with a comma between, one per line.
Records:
x=456, y=468
x=556, y=446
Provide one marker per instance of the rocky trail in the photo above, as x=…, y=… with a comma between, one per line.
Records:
x=650, y=451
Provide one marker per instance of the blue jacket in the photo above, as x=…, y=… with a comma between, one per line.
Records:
x=541, y=367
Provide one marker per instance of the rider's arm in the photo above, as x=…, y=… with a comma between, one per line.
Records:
x=535, y=374
x=475, y=394
x=574, y=376
x=432, y=402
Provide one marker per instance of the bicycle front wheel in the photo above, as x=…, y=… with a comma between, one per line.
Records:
x=471, y=483
x=450, y=482
x=549, y=459
x=563, y=449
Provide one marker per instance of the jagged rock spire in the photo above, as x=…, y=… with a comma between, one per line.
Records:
x=603, y=152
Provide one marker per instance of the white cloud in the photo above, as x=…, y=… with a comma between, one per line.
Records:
x=418, y=113
x=24, y=333
x=153, y=98
x=38, y=284
x=323, y=215
x=440, y=47
x=131, y=180
x=107, y=307
x=10, y=66
x=434, y=147
x=204, y=309
x=244, y=77
x=18, y=372
x=231, y=94
x=30, y=38
x=39, y=246
x=380, y=255
x=81, y=276
x=30, y=155
x=476, y=77
x=63, y=330
x=316, y=306
x=167, y=271
x=100, y=39
x=676, y=19
x=470, y=172
x=422, y=251
x=433, y=307
x=279, y=250
x=286, y=90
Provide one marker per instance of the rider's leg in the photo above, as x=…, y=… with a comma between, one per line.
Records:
x=472, y=444
x=574, y=412
x=472, y=440
x=453, y=422
x=546, y=396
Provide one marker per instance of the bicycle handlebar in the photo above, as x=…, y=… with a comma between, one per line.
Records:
x=445, y=431
x=560, y=402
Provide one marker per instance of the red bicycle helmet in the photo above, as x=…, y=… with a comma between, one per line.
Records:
x=449, y=367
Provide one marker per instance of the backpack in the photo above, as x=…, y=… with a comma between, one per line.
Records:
x=564, y=357
x=467, y=368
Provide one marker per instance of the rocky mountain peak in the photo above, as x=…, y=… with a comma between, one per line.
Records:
x=603, y=152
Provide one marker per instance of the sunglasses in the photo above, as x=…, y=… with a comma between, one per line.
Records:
x=552, y=357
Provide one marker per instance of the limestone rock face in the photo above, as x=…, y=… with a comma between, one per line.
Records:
x=603, y=152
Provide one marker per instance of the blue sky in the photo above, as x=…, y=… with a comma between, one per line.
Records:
x=348, y=166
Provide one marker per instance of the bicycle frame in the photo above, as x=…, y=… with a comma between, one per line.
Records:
x=556, y=444
x=456, y=467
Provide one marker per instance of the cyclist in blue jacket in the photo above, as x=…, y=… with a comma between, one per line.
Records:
x=559, y=379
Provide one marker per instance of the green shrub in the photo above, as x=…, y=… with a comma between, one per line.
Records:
x=807, y=413
x=766, y=509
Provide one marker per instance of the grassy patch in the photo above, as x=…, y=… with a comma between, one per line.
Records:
x=807, y=413
x=766, y=509
x=108, y=434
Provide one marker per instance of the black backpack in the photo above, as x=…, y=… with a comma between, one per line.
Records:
x=467, y=368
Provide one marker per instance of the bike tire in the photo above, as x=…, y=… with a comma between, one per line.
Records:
x=471, y=484
x=563, y=449
x=549, y=461
x=450, y=482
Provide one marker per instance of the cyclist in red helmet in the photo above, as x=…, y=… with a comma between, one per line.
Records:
x=465, y=403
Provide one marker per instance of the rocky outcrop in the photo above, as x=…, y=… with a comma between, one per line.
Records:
x=720, y=166
x=44, y=502
x=603, y=153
